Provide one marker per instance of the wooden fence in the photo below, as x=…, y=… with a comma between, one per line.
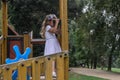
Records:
x=35, y=67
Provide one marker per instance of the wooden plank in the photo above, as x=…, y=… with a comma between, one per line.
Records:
x=48, y=68
x=22, y=72
x=65, y=24
x=10, y=28
x=66, y=66
x=26, y=40
x=60, y=67
x=4, y=30
x=38, y=41
x=7, y=73
x=36, y=70
x=62, y=24
x=13, y=36
x=4, y=19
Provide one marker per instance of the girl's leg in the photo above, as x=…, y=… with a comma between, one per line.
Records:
x=53, y=68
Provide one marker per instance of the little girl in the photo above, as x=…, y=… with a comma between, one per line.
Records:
x=49, y=30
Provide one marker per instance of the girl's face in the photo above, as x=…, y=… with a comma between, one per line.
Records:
x=51, y=23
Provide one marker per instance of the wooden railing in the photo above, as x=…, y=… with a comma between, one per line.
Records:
x=36, y=67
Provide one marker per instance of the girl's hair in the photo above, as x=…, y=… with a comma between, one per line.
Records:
x=42, y=32
x=45, y=23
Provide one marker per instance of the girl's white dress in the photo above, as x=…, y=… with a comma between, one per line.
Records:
x=52, y=45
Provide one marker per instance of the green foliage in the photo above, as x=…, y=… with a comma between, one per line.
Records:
x=101, y=17
x=27, y=15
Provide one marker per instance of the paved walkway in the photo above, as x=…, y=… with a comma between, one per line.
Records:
x=97, y=73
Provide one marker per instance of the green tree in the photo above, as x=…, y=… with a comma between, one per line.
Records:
x=27, y=15
x=111, y=12
x=102, y=18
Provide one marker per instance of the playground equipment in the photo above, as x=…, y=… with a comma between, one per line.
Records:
x=37, y=68
x=39, y=65
x=26, y=40
x=18, y=58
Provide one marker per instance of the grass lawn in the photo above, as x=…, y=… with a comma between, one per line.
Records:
x=116, y=70
x=74, y=76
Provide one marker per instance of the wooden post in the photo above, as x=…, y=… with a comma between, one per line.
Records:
x=60, y=67
x=64, y=25
x=26, y=40
x=36, y=70
x=48, y=69
x=22, y=71
x=64, y=37
x=65, y=9
x=7, y=73
x=66, y=66
x=4, y=30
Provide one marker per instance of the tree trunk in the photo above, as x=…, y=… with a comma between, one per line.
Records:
x=91, y=63
x=95, y=62
x=110, y=62
x=87, y=63
x=110, y=58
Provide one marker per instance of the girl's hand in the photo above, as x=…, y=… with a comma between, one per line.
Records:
x=57, y=21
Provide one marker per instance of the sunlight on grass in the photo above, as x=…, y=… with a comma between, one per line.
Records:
x=116, y=70
x=74, y=76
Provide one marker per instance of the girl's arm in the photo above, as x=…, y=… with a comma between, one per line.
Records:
x=54, y=29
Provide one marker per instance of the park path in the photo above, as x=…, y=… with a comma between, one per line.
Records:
x=97, y=73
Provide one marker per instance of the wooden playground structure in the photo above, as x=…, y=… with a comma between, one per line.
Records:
x=37, y=66
x=34, y=66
